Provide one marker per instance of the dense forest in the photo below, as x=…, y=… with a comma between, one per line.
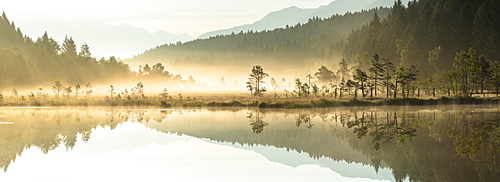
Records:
x=429, y=33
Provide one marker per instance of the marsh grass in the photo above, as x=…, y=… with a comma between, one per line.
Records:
x=237, y=100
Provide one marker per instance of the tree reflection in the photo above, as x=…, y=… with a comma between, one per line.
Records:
x=256, y=122
x=359, y=125
x=52, y=128
x=477, y=136
x=304, y=118
x=47, y=130
x=370, y=124
x=380, y=134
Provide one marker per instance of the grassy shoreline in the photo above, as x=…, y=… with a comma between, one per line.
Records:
x=264, y=102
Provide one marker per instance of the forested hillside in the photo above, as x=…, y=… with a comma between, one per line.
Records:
x=31, y=64
x=425, y=33
x=429, y=33
x=28, y=62
x=317, y=39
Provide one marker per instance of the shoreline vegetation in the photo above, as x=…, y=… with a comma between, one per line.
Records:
x=208, y=101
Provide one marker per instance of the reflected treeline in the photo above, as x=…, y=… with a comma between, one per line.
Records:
x=419, y=143
x=422, y=145
x=48, y=129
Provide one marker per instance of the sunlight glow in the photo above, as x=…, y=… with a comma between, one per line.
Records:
x=176, y=16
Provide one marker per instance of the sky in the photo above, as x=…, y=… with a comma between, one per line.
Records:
x=193, y=17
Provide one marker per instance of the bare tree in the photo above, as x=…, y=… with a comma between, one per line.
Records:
x=77, y=88
x=274, y=85
x=111, y=91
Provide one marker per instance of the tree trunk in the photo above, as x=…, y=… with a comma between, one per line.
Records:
x=403, y=91
x=371, y=92
x=396, y=90
x=362, y=90
x=482, y=89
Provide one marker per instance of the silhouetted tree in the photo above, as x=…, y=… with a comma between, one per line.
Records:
x=256, y=78
x=85, y=51
x=298, y=85
x=77, y=88
x=377, y=71
x=324, y=75
x=405, y=77
x=309, y=77
x=361, y=78
x=164, y=93
x=274, y=85
x=88, y=91
x=68, y=90
x=344, y=70
x=57, y=88
x=14, y=92
x=69, y=47
x=140, y=89
x=469, y=67
x=111, y=91
x=495, y=75
x=388, y=75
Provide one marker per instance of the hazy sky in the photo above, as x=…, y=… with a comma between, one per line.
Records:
x=176, y=16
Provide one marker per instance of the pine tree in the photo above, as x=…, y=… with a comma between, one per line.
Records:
x=256, y=79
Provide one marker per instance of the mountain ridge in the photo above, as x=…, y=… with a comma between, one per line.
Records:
x=300, y=15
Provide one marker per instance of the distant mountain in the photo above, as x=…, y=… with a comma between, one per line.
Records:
x=277, y=19
x=105, y=40
x=294, y=15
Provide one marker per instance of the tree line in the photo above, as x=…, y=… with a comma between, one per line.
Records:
x=471, y=74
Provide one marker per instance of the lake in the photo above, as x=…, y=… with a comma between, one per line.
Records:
x=413, y=143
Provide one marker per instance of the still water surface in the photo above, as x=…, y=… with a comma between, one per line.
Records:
x=447, y=143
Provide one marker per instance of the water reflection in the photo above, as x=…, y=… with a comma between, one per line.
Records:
x=454, y=143
x=256, y=121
